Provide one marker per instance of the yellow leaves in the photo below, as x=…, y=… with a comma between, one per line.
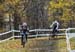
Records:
x=60, y=3
x=56, y=5
x=15, y=1
x=1, y=7
x=9, y=2
x=67, y=12
x=67, y=4
x=66, y=17
x=12, y=2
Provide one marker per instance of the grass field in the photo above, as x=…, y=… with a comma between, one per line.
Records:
x=41, y=44
x=72, y=40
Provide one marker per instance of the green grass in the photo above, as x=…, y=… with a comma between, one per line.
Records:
x=72, y=42
x=41, y=44
x=10, y=46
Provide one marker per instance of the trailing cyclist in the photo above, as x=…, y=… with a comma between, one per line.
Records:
x=54, y=26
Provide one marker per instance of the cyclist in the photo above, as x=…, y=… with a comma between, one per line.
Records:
x=23, y=32
x=54, y=26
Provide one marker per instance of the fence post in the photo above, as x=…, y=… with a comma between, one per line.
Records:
x=36, y=34
x=67, y=40
x=13, y=34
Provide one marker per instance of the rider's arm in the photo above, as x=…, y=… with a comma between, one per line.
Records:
x=57, y=26
x=52, y=25
x=20, y=29
x=27, y=29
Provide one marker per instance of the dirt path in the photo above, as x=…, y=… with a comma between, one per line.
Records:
x=41, y=44
x=45, y=45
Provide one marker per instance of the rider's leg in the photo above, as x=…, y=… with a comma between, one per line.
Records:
x=50, y=35
x=24, y=41
x=21, y=39
x=26, y=37
x=53, y=33
x=57, y=33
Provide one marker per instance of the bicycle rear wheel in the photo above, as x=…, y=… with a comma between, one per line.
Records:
x=24, y=41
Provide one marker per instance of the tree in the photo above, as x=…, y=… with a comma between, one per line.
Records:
x=63, y=11
x=37, y=14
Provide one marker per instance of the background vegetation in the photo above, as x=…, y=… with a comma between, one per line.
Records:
x=37, y=13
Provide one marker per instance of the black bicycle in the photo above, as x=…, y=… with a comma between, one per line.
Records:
x=53, y=34
x=23, y=40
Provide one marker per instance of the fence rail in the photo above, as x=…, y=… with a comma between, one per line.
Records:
x=35, y=35
x=69, y=35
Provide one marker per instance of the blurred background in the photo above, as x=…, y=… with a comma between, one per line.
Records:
x=37, y=13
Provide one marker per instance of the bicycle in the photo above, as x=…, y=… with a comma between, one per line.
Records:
x=23, y=39
x=53, y=34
